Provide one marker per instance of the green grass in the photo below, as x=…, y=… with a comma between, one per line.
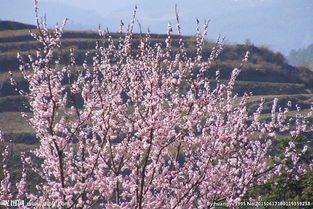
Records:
x=14, y=33
x=13, y=122
x=5, y=76
x=289, y=114
x=280, y=96
x=303, y=100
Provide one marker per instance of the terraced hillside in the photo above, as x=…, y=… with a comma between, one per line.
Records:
x=266, y=73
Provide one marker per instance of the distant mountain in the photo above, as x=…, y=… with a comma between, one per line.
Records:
x=55, y=12
x=281, y=25
x=12, y=25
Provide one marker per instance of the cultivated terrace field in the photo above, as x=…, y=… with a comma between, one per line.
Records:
x=266, y=73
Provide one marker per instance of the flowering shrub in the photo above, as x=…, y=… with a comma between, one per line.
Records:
x=139, y=141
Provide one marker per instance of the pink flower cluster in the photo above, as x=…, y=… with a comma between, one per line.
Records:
x=140, y=140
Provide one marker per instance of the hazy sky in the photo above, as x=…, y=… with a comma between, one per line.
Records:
x=278, y=24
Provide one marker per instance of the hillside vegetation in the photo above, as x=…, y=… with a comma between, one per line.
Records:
x=12, y=25
x=266, y=73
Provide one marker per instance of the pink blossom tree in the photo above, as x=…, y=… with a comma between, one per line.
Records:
x=139, y=140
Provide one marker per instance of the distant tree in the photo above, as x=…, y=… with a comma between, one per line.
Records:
x=248, y=42
x=285, y=187
x=301, y=56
